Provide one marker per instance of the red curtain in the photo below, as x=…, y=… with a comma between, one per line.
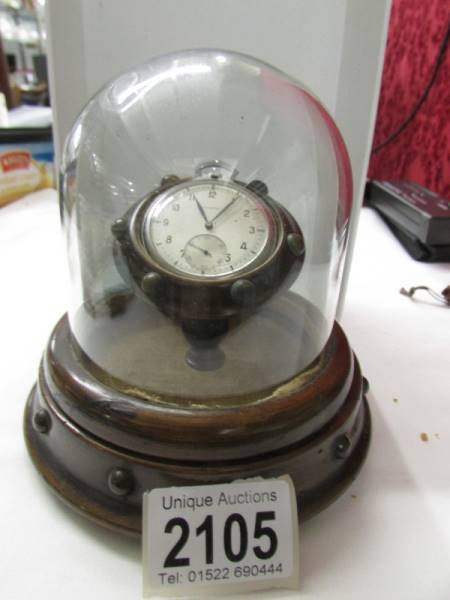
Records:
x=421, y=153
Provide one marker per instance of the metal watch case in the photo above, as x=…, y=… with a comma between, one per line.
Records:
x=184, y=297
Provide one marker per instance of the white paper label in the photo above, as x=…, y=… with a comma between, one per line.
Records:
x=220, y=538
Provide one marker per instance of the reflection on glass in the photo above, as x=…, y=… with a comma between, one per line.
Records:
x=206, y=199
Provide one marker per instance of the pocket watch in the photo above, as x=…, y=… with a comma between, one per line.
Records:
x=208, y=247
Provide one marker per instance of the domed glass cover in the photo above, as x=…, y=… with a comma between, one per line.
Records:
x=206, y=198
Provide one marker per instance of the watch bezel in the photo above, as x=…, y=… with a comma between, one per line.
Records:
x=141, y=217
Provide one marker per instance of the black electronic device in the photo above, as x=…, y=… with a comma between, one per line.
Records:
x=419, y=218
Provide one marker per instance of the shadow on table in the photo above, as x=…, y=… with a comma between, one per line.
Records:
x=113, y=541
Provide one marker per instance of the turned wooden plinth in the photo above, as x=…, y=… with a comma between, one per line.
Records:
x=100, y=448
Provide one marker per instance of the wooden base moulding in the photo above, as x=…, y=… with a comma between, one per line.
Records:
x=100, y=449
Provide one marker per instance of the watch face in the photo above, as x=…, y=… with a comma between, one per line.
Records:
x=209, y=229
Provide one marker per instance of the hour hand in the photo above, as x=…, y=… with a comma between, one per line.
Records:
x=208, y=224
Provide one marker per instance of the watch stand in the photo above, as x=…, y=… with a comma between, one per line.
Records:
x=204, y=352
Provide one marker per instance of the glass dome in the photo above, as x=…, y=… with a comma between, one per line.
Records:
x=206, y=198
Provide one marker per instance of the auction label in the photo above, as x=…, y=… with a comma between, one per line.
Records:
x=210, y=539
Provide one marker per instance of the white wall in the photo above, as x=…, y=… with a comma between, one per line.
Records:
x=94, y=40
x=335, y=47
x=358, y=87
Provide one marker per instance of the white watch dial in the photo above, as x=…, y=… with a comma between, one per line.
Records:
x=209, y=228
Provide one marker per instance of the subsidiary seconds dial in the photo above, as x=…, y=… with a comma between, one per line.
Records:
x=209, y=229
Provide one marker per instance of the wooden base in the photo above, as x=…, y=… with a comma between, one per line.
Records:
x=100, y=449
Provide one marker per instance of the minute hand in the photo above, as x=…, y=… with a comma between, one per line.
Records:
x=224, y=209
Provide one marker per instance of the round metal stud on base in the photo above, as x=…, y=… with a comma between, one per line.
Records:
x=100, y=449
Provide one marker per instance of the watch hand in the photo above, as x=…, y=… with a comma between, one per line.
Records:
x=208, y=224
x=224, y=209
x=205, y=252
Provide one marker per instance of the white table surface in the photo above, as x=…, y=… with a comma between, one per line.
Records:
x=387, y=537
x=30, y=116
